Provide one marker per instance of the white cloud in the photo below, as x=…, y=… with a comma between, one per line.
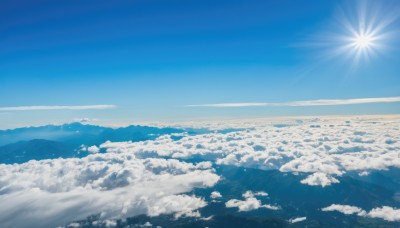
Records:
x=305, y=103
x=299, y=219
x=345, y=209
x=249, y=194
x=326, y=147
x=215, y=195
x=93, y=149
x=55, y=107
x=385, y=212
x=319, y=179
x=49, y=193
x=261, y=193
x=249, y=204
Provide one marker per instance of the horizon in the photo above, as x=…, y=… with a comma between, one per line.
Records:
x=192, y=123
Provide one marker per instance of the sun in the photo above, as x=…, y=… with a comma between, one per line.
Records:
x=360, y=33
x=363, y=41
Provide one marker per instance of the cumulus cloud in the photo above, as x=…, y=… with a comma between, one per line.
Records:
x=215, y=195
x=55, y=107
x=306, y=103
x=325, y=148
x=93, y=149
x=49, y=193
x=319, y=179
x=345, y=209
x=250, y=202
x=385, y=212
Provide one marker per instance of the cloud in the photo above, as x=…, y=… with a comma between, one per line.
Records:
x=56, y=107
x=385, y=212
x=249, y=194
x=261, y=193
x=250, y=202
x=319, y=179
x=299, y=219
x=93, y=149
x=305, y=103
x=324, y=148
x=50, y=193
x=345, y=209
x=215, y=195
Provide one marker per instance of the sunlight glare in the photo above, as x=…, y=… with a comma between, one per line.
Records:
x=363, y=41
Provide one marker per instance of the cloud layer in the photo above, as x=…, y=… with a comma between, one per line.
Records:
x=49, y=193
x=151, y=177
x=323, y=148
x=305, y=103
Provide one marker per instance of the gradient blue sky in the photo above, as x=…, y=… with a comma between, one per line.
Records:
x=151, y=58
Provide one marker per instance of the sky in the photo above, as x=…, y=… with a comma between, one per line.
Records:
x=122, y=62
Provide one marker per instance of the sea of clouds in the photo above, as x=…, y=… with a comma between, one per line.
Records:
x=324, y=148
x=154, y=177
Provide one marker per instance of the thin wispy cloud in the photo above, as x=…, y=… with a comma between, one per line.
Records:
x=305, y=103
x=56, y=107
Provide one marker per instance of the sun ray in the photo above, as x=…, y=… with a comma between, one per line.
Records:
x=362, y=32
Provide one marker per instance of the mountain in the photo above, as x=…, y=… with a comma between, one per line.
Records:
x=37, y=149
x=51, y=141
x=77, y=134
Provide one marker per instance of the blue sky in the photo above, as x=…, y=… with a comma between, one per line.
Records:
x=152, y=58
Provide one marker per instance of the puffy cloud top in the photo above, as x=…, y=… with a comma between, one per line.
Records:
x=215, y=195
x=53, y=192
x=324, y=148
x=385, y=212
x=250, y=202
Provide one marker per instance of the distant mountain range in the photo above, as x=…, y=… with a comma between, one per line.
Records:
x=51, y=141
x=24, y=151
x=77, y=133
